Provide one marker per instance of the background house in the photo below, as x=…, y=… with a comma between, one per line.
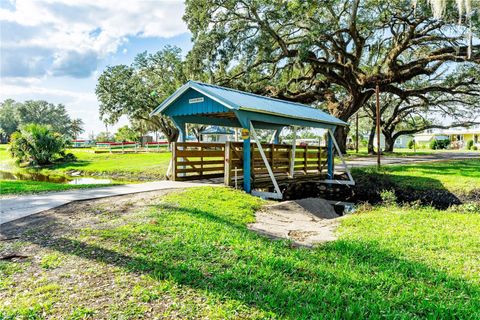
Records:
x=461, y=136
x=217, y=134
x=424, y=138
x=400, y=143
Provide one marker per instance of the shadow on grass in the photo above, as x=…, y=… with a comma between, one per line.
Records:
x=343, y=279
x=428, y=191
x=73, y=164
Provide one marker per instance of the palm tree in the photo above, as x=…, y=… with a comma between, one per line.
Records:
x=77, y=127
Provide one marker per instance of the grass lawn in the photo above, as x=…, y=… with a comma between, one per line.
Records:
x=26, y=186
x=190, y=255
x=153, y=165
x=4, y=155
x=455, y=176
x=129, y=165
x=404, y=152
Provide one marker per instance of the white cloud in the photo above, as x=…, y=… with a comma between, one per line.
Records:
x=73, y=36
x=48, y=45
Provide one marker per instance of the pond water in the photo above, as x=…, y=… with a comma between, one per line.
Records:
x=36, y=176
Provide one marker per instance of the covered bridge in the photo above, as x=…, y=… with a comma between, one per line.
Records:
x=248, y=161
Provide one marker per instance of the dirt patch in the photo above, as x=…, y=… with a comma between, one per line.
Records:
x=306, y=222
x=41, y=249
x=76, y=215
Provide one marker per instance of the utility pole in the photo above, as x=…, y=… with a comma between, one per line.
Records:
x=356, y=132
x=377, y=93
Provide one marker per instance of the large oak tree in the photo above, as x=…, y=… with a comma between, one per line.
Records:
x=136, y=90
x=329, y=53
x=451, y=100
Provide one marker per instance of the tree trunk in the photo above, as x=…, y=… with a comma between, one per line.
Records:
x=172, y=135
x=371, y=137
x=341, y=134
x=389, y=142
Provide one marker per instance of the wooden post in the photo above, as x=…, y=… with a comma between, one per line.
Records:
x=356, y=132
x=174, y=161
x=272, y=155
x=201, y=159
x=319, y=159
x=330, y=158
x=305, y=163
x=377, y=91
x=246, y=165
x=252, y=162
x=293, y=155
x=227, y=176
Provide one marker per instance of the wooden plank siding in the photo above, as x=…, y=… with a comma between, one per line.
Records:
x=195, y=161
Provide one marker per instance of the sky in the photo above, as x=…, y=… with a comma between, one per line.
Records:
x=55, y=50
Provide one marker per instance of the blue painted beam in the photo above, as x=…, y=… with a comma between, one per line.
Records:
x=247, y=187
x=276, y=136
x=245, y=121
x=268, y=119
x=201, y=119
x=330, y=157
x=181, y=126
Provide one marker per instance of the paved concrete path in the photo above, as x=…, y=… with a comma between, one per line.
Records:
x=372, y=160
x=22, y=206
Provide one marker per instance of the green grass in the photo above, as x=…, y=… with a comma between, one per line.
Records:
x=455, y=176
x=398, y=152
x=27, y=186
x=148, y=164
x=4, y=155
x=403, y=152
x=128, y=165
x=192, y=256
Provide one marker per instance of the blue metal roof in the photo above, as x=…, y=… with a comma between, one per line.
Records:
x=239, y=100
x=217, y=130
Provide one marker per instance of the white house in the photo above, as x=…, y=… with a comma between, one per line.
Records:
x=217, y=134
x=400, y=143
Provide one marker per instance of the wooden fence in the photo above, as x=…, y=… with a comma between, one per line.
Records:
x=309, y=162
x=194, y=160
x=197, y=160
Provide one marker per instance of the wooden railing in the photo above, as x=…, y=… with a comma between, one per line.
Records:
x=308, y=161
x=197, y=160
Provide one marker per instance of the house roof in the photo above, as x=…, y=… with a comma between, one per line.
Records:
x=245, y=101
x=217, y=130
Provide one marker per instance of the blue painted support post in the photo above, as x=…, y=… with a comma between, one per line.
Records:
x=246, y=165
x=276, y=136
x=181, y=126
x=182, y=133
x=330, y=156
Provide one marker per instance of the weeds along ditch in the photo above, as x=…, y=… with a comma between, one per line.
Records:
x=375, y=188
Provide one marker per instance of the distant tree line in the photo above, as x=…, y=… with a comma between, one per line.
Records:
x=14, y=115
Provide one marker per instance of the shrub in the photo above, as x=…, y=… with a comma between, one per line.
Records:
x=439, y=144
x=36, y=145
x=474, y=148
x=388, y=197
x=469, y=144
x=411, y=144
